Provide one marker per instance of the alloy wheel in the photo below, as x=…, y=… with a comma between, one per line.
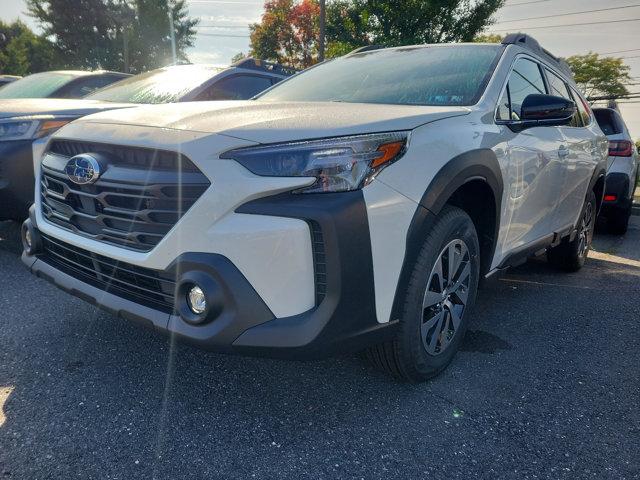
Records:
x=446, y=297
x=584, y=232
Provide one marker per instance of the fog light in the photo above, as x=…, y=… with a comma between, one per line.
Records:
x=31, y=242
x=28, y=239
x=196, y=300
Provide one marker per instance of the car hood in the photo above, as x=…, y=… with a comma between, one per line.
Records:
x=266, y=122
x=24, y=107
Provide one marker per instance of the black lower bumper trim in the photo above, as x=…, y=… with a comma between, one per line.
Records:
x=343, y=321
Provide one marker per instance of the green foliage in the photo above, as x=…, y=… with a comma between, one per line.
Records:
x=110, y=34
x=287, y=32
x=392, y=23
x=600, y=76
x=488, y=38
x=22, y=51
x=237, y=57
x=354, y=23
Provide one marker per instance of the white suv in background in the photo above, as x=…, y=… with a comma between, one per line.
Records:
x=355, y=206
x=622, y=170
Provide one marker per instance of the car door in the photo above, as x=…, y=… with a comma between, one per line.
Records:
x=582, y=160
x=531, y=162
x=575, y=150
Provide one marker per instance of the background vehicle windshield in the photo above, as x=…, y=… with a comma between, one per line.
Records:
x=434, y=75
x=164, y=85
x=38, y=85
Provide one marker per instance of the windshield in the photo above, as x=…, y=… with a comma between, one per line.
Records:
x=38, y=85
x=425, y=75
x=164, y=85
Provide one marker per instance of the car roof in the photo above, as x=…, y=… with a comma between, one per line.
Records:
x=83, y=73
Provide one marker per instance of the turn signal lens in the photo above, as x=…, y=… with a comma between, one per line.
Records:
x=47, y=127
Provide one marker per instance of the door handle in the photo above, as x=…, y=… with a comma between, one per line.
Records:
x=563, y=151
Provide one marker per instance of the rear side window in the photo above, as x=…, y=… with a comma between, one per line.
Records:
x=558, y=87
x=84, y=86
x=608, y=121
x=585, y=112
x=236, y=87
x=526, y=79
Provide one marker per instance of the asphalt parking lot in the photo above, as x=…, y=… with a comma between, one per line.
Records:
x=547, y=386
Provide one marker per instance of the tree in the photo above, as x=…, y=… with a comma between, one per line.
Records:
x=286, y=36
x=238, y=57
x=22, y=51
x=287, y=33
x=488, y=38
x=600, y=76
x=111, y=33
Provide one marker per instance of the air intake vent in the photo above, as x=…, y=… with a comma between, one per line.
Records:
x=319, y=261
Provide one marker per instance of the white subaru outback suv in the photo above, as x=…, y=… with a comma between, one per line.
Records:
x=355, y=206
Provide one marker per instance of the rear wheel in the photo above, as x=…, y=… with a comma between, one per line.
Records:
x=618, y=220
x=570, y=256
x=441, y=290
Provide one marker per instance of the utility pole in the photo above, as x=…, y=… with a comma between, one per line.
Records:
x=323, y=15
x=173, y=37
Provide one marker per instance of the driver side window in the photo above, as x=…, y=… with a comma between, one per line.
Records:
x=526, y=79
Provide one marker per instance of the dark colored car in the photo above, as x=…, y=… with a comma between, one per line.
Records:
x=25, y=124
x=6, y=79
x=61, y=84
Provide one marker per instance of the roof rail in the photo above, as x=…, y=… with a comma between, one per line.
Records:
x=366, y=48
x=256, y=64
x=530, y=43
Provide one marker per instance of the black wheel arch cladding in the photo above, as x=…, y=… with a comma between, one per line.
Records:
x=475, y=165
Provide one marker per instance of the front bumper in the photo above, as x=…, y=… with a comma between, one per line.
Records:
x=343, y=319
x=16, y=179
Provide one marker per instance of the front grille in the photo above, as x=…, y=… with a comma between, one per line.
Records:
x=319, y=261
x=134, y=157
x=139, y=197
x=155, y=289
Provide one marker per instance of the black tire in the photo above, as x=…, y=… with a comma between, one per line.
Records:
x=570, y=256
x=407, y=356
x=618, y=221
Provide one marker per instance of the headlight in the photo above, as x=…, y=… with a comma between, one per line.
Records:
x=26, y=129
x=338, y=164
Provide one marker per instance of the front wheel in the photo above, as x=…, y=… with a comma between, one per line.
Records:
x=570, y=256
x=440, y=292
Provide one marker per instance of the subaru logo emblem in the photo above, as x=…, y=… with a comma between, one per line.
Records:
x=82, y=169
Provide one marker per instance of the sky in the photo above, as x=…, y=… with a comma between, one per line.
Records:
x=217, y=45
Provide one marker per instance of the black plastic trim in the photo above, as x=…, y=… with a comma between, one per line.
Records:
x=481, y=164
x=347, y=310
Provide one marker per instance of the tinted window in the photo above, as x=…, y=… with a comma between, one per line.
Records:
x=559, y=88
x=38, y=85
x=84, y=86
x=236, y=87
x=608, y=121
x=163, y=85
x=433, y=75
x=526, y=79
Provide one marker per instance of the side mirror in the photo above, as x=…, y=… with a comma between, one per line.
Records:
x=545, y=110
